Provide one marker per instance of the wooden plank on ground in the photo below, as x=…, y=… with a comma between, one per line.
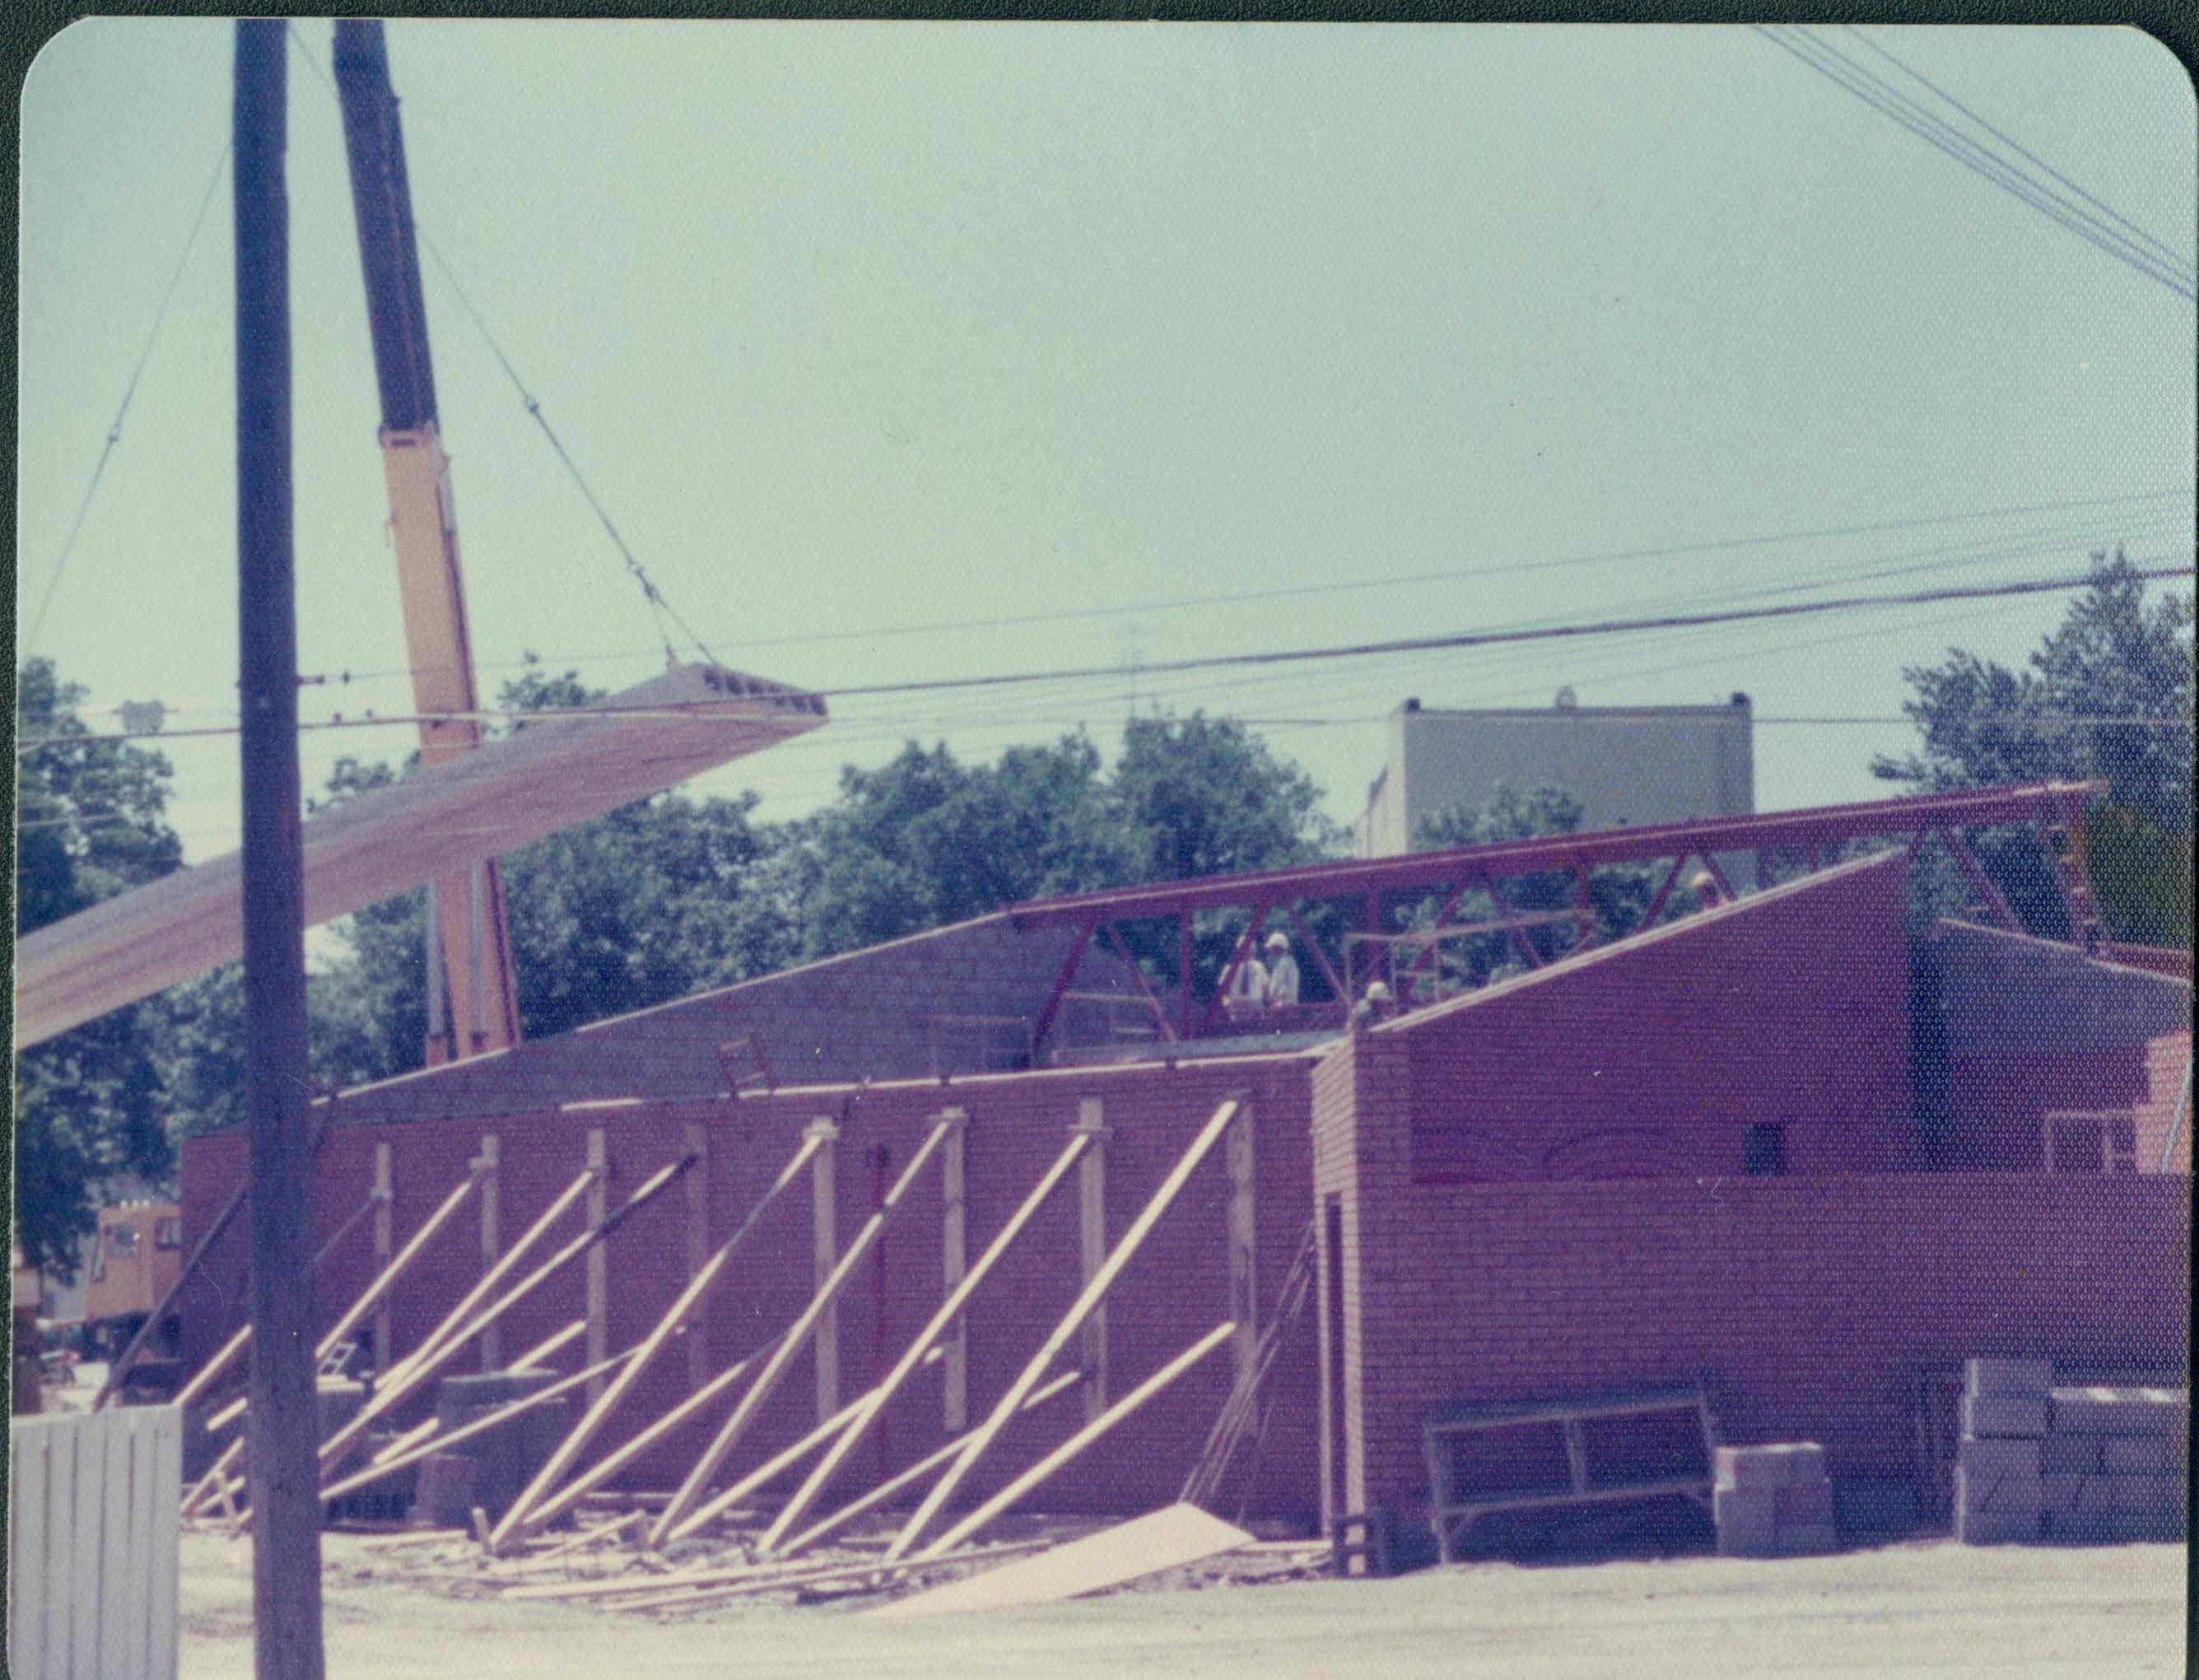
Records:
x=1165, y=1539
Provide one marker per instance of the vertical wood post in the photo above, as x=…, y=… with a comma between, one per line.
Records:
x=698, y=1247
x=491, y=1242
x=1092, y=1223
x=1244, y=1285
x=954, y=1263
x=385, y=1235
x=599, y=1259
x=283, y=1464
x=826, y=1227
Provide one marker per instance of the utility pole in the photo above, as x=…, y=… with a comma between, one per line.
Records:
x=283, y=1464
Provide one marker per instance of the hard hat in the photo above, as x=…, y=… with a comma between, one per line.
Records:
x=1378, y=993
x=1279, y=942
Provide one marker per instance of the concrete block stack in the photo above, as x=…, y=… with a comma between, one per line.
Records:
x=2113, y=1464
x=1773, y=1500
x=1997, y=1491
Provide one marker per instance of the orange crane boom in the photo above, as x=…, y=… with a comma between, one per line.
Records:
x=472, y=1002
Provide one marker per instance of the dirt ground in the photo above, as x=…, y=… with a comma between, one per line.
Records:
x=1926, y=1608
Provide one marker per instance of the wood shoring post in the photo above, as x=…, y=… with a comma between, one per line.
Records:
x=945, y=1324
x=599, y=1259
x=1230, y=1423
x=1069, y=1449
x=575, y=1442
x=824, y=1242
x=1244, y=1244
x=804, y=1328
x=772, y=1468
x=883, y=1493
x=459, y=1316
x=954, y=1255
x=491, y=1212
x=385, y=1237
x=1092, y=1232
x=1095, y=1292
x=550, y=1344
x=548, y=1510
x=417, y=1371
x=698, y=1248
x=280, y=1466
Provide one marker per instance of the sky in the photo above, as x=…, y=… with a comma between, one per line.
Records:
x=899, y=351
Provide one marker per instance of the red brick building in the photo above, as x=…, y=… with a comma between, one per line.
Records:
x=1778, y=1146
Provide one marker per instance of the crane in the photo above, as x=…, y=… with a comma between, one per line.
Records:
x=472, y=1002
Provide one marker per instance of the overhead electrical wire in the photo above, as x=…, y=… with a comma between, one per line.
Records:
x=1470, y=639
x=129, y=391
x=1448, y=575
x=1874, y=90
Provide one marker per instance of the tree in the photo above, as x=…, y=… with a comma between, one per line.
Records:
x=2108, y=694
x=87, y=1102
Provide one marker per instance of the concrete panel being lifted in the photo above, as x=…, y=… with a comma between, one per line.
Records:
x=550, y=775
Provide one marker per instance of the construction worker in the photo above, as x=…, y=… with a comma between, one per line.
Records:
x=1373, y=1008
x=1705, y=888
x=1282, y=973
x=1248, y=988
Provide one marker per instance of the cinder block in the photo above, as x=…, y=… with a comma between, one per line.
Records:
x=2015, y=1526
x=2121, y=1411
x=2136, y=1454
x=1777, y=1464
x=2143, y=1493
x=2032, y=1376
x=1804, y=1505
x=2019, y=1416
x=2058, y=1490
x=2071, y=1454
x=2079, y=1528
x=2006, y=1490
x=1992, y=1459
x=1808, y=1540
x=1747, y=1522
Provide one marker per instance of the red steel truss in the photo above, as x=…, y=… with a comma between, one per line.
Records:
x=2051, y=805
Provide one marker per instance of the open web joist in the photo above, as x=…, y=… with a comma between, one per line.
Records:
x=549, y=776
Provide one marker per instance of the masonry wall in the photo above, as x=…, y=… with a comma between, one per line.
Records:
x=1653, y=1056
x=1811, y=1303
x=1172, y=1292
x=865, y=1014
x=2031, y=1026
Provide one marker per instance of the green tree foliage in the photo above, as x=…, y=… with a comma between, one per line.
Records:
x=1618, y=894
x=87, y=1102
x=2108, y=694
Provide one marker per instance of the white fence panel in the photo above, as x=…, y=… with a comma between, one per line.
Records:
x=92, y=1545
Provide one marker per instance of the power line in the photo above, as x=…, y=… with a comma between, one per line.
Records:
x=129, y=391
x=1224, y=662
x=1881, y=96
x=882, y=632
x=2107, y=210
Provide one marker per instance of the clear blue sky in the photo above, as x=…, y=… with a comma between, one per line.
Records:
x=855, y=327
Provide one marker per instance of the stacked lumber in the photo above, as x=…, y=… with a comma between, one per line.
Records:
x=1773, y=1500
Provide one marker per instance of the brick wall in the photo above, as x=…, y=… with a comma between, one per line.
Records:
x=1173, y=1292
x=1652, y=1057
x=864, y=1014
x=2028, y=1026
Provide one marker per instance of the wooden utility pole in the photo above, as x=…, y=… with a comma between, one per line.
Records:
x=283, y=1464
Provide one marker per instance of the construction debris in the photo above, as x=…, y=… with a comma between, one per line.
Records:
x=1773, y=1500
x=1164, y=1539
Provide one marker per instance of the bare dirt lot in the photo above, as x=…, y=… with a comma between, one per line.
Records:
x=1922, y=1608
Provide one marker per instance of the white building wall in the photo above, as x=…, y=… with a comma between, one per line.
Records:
x=1628, y=765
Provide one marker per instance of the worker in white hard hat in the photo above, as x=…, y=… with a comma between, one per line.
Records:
x=1373, y=1008
x=1705, y=888
x=1248, y=988
x=1282, y=973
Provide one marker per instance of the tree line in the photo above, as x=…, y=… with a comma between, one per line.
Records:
x=678, y=893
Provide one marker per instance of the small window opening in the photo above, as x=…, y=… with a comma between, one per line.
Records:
x=1764, y=1150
